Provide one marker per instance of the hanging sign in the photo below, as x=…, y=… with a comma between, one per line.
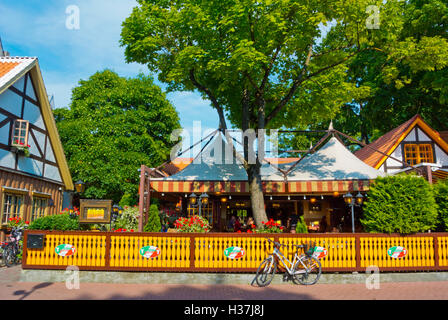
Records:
x=65, y=250
x=320, y=252
x=234, y=253
x=397, y=252
x=149, y=252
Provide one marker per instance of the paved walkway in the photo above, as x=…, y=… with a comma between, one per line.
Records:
x=12, y=288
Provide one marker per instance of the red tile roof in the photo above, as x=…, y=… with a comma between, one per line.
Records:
x=388, y=142
x=5, y=67
x=383, y=144
x=444, y=135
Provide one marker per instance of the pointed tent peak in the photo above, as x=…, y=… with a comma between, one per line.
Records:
x=330, y=127
x=333, y=161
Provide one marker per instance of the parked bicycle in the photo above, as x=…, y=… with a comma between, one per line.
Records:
x=304, y=269
x=12, y=248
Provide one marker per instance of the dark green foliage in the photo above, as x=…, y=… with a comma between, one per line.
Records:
x=153, y=224
x=441, y=197
x=61, y=222
x=301, y=226
x=113, y=126
x=402, y=203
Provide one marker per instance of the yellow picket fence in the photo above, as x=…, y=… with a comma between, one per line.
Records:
x=211, y=252
x=126, y=252
x=442, y=251
x=374, y=251
x=90, y=250
x=341, y=251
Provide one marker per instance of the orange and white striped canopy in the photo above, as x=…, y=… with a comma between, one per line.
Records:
x=273, y=187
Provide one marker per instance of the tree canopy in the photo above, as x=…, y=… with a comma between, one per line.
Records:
x=409, y=78
x=113, y=126
x=271, y=64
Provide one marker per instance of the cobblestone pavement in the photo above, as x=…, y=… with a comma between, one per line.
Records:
x=12, y=289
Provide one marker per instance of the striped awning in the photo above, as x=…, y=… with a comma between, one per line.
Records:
x=268, y=187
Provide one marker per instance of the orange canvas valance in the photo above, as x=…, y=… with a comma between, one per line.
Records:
x=268, y=187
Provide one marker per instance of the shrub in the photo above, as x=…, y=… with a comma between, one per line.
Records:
x=128, y=219
x=301, y=226
x=441, y=197
x=62, y=222
x=400, y=203
x=153, y=224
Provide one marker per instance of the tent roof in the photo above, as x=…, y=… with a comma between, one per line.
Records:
x=333, y=161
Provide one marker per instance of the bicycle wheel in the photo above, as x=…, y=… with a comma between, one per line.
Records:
x=9, y=256
x=266, y=271
x=307, y=271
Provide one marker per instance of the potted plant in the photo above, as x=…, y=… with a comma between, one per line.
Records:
x=15, y=222
x=21, y=148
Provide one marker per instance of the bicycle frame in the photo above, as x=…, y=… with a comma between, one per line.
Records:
x=286, y=261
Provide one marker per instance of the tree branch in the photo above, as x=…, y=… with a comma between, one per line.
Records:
x=216, y=105
x=293, y=88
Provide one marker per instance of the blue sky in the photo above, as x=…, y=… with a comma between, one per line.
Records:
x=38, y=29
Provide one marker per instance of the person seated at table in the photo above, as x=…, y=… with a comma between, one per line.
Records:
x=251, y=224
x=237, y=225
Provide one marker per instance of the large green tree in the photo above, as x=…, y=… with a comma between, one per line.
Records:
x=409, y=79
x=261, y=64
x=113, y=126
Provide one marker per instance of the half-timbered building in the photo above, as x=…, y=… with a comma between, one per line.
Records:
x=412, y=146
x=33, y=168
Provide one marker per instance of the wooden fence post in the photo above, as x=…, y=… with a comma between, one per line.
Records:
x=192, y=251
x=436, y=251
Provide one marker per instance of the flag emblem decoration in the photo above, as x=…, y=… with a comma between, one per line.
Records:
x=397, y=252
x=234, y=252
x=320, y=252
x=65, y=250
x=149, y=252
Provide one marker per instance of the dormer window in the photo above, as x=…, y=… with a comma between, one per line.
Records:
x=418, y=153
x=20, y=133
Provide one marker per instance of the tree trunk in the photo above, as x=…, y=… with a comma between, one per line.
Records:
x=256, y=194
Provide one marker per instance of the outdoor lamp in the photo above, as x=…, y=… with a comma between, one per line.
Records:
x=223, y=199
x=193, y=199
x=359, y=199
x=80, y=186
x=352, y=202
x=348, y=198
x=312, y=200
x=204, y=198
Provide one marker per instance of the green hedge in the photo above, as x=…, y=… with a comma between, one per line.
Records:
x=62, y=222
x=441, y=197
x=400, y=203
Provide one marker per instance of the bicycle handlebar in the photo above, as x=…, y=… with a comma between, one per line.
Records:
x=284, y=245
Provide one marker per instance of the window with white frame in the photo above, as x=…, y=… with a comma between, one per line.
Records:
x=12, y=207
x=20, y=133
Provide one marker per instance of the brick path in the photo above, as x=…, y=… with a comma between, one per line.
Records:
x=11, y=288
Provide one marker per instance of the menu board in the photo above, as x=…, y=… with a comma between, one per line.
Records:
x=95, y=211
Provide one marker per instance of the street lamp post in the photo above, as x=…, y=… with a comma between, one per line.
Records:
x=352, y=202
x=203, y=200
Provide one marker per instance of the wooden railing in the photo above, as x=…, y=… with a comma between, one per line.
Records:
x=212, y=252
